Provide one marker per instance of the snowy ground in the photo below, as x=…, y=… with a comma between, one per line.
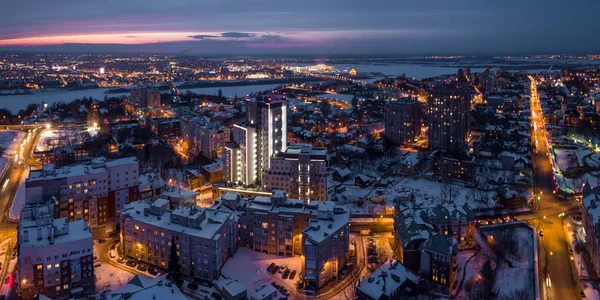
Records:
x=566, y=159
x=521, y=275
x=19, y=200
x=588, y=289
x=10, y=139
x=250, y=269
x=426, y=192
x=109, y=276
x=51, y=138
x=470, y=271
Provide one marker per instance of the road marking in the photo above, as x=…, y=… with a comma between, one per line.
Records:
x=5, y=184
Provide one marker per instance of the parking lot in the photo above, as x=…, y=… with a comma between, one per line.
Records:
x=256, y=270
x=378, y=249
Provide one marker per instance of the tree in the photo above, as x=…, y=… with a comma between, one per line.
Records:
x=355, y=103
x=487, y=274
x=325, y=108
x=174, y=268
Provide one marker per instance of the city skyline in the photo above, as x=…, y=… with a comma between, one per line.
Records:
x=268, y=27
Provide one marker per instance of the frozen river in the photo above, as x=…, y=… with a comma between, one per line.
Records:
x=17, y=102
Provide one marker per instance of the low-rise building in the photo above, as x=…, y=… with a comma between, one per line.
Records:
x=415, y=224
x=205, y=237
x=150, y=186
x=230, y=289
x=390, y=281
x=55, y=255
x=143, y=288
x=591, y=223
x=439, y=263
x=179, y=197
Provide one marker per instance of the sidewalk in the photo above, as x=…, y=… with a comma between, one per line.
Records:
x=588, y=279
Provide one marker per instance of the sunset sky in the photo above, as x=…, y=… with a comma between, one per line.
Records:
x=308, y=26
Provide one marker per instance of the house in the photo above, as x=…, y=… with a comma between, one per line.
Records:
x=439, y=263
x=390, y=281
x=266, y=292
x=213, y=172
x=362, y=180
x=591, y=223
x=341, y=174
x=230, y=289
x=194, y=179
x=142, y=288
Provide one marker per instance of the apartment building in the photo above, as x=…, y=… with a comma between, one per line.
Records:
x=94, y=191
x=55, y=255
x=325, y=244
x=205, y=237
x=402, y=121
x=439, y=264
x=145, y=97
x=254, y=142
x=301, y=171
x=271, y=224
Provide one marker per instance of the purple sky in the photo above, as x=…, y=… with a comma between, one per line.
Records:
x=308, y=26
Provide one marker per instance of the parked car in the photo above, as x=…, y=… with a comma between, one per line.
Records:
x=275, y=269
x=131, y=263
x=274, y=284
x=142, y=268
x=97, y=265
x=293, y=274
x=152, y=271
x=120, y=260
x=286, y=273
x=270, y=267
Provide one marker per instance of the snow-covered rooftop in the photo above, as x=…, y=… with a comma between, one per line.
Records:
x=143, y=288
x=387, y=279
x=330, y=219
x=206, y=227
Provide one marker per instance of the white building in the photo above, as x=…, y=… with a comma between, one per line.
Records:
x=263, y=135
x=55, y=255
x=301, y=171
x=205, y=237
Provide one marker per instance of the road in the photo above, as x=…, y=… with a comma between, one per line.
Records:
x=350, y=279
x=554, y=260
x=14, y=172
x=21, y=160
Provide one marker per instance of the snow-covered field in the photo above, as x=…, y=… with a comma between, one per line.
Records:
x=426, y=192
x=52, y=138
x=567, y=158
x=516, y=273
x=250, y=269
